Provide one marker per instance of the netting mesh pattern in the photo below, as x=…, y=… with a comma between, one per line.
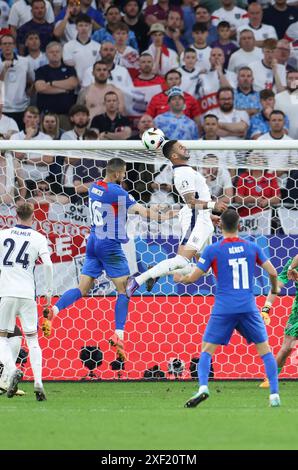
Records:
x=165, y=327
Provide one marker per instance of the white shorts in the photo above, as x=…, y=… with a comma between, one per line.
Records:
x=25, y=309
x=195, y=233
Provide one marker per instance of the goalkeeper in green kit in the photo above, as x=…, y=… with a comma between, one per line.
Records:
x=289, y=273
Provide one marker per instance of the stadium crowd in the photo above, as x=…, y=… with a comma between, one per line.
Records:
x=101, y=69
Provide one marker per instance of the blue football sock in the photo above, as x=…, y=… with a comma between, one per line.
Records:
x=121, y=310
x=204, y=365
x=271, y=371
x=68, y=298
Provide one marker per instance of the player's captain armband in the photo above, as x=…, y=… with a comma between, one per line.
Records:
x=210, y=205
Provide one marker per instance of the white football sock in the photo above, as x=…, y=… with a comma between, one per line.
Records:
x=167, y=266
x=120, y=333
x=14, y=344
x=35, y=359
x=6, y=356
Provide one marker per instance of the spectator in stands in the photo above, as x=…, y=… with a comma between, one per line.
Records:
x=232, y=123
x=261, y=31
x=50, y=126
x=282, y=54
x=287, y=101
x=232, y=14
x=96, y=16
x=164, y=59
x=291, y=33
x=17, y=76
x=126, y=55
x=55, y=85
x=79, y=118
x=158, y=13
x=173, y=28
x=247, y=53
x=21, y=12
x=12, y=185
x=259, y=123
x=65, y=29
x=189, y=18
x=174, y=123
x=34, y=55
x=202, y=15
x=159, y=103
x=8, y=126
x=278, y=160
x=80, y=53
x=210, y=82
x=218, y=178
x=280, y=16
x=134, y=19
x=4, y=14
x=210, y=127
x=93, y=95
x=38, y=24
x=35, y=165
x=189, y=71
x=113, y=17
x=147, y=81
x=200, y=35
x=145, y=122
x=112, y=125
x=119, y=76
x=224, y=41
x=267, y=72
x=256, y=189
x=246, y=98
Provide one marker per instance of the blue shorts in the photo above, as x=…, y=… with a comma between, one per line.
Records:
x=250, y=325
x=104, y=255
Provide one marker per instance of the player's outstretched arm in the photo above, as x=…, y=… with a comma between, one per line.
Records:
x=194, y=203
x=292, y=272
x=151, y=213
x=274, y=291
x=191, y=277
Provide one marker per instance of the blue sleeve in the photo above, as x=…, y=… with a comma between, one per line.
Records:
x=60, y=15
x=195, y=132
x=132, y=40
x=260, y=256
x=287, y=123
x=129, y=200
x=206, y=259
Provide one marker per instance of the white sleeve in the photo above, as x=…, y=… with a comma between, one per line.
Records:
x=185, y=181
x=45, y=256
x=13, y=18
x=67, y=53
x=243, y=116
x=50, y=17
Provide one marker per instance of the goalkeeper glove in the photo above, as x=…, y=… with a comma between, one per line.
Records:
x=265, y=314
x=46, y=327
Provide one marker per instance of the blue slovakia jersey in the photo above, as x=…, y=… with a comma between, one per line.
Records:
x=108, y=206
x=233, y=262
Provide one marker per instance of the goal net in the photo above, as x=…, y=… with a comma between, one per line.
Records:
x=164, y=330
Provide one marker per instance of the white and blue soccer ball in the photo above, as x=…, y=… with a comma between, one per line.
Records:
x=153, y=138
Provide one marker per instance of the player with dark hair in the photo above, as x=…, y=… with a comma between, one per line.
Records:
x=233, y=262
x=109, y=205
x=195, y=217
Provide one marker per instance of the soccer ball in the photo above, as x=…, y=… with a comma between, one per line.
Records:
x=153, y=138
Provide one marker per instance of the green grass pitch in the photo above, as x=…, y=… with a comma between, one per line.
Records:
x=147, y=416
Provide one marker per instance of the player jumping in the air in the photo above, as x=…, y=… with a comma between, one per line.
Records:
x=20, y=247
x=195, y=218
x=109, y=205
x=289, y=272
x=233, y=262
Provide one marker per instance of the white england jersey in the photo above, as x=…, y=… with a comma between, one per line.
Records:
x=236, y=17
x=265, y=31
x=188, y=180
x=263, y=75
x=196, y=225
x=20, y=247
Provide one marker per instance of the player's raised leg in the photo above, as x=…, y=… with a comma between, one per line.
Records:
x=121, y=311
x=71, y=296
